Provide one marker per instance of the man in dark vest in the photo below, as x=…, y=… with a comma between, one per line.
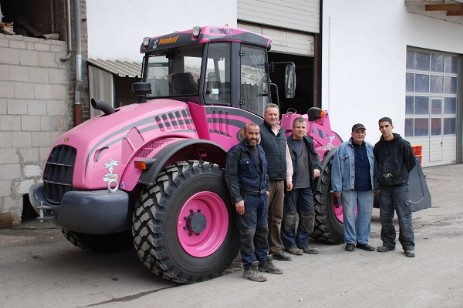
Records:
x=280, y=168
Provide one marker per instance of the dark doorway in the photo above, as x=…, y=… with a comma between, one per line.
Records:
x=304, y=98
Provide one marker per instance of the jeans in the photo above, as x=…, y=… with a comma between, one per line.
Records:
x=298, y=201
x=357, y=230
x=253, y=229
x=275, y=215
x=396, y=198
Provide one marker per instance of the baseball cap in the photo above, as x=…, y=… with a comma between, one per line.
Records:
x=358, y=126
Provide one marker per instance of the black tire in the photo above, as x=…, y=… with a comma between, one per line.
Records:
x=165, y=216
x=100, y=243
x=328, y=225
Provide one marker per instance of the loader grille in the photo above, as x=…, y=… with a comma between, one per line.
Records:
x=57, y=176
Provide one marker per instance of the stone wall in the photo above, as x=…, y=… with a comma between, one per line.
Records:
x=35, y=108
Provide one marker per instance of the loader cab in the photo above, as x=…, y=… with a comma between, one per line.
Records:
x=225, y=66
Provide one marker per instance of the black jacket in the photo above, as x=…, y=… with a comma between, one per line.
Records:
x=275, y=151
x=394, y=160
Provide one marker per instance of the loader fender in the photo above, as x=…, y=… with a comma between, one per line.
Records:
x=182, y=150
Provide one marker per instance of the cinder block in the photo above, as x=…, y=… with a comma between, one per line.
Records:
x=18, y=73
x=5, y=188
x=22, y=187
x=38, y=75
x=57, y=76
x=36, y=107
x=41, y=139
x=4, y=72
x=7, y=89
x=29, y=58
x=48, y=59
x=59, y=92
x=10, y=171
x=3, y=106
x=4, y=42
x=9, y=56
x=10, y=122
x=29, y=155
x=43, y=91
x=9, y=156
x=58, y=123
x=42, y=47
x=5, y=138
x=17, y=44
x=30, y=123
x=45, y=123
x=17, y=106
x=56, y=107
x=24, y=90
x=21, y=139
x=32, y=171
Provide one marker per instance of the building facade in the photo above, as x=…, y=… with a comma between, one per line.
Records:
x=358, y=59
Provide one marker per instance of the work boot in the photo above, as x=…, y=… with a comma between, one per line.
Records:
x=409, y=251
x=350, y=247
x=310, y=250
x=253, y=275
x=365, y=246
x=384, y=248
x=269, y=267
x=295, y=251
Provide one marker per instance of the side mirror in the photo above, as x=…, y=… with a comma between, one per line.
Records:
x=290, y=80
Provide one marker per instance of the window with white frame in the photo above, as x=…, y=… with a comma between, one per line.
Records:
x=431, y=93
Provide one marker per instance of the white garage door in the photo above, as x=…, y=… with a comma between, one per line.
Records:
x=285, y=41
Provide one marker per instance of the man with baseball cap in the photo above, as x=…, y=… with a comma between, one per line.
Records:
x=353, y=178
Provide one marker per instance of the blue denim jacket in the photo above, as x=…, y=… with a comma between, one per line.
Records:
x=343, y=168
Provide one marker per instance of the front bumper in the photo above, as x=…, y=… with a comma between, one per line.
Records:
x=90, y=212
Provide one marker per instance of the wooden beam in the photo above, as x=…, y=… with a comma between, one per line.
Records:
x=444, y=7
x=455, y=13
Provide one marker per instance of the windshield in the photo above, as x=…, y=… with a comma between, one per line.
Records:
x=175, y=73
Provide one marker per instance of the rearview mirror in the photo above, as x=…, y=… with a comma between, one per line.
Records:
x=290, y=80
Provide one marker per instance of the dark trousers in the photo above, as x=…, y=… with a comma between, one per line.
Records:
x=298, y=201
x=396, y=198
x=253, y=227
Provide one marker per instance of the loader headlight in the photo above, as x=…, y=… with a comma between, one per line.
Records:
x=146, y=41
x=196, y=30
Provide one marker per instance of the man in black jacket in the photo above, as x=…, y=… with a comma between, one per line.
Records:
x=395, y=159
x=279, y=169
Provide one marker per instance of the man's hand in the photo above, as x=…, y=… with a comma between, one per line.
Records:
x=239, y=206
x=316, y=173
x=289, y=186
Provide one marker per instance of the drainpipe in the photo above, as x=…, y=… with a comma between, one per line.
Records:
x=69, y=30
x=78, y=45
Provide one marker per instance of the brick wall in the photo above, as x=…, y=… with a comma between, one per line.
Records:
x=35, y=108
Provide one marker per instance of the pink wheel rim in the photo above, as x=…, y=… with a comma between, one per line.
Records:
x=337, y=209
x=206, y=237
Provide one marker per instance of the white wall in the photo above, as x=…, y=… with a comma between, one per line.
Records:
x=364, y=57
x=116, y=28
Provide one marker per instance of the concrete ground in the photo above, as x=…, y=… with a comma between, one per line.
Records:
x=39, y=268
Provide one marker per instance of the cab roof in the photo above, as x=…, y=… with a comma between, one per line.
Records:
x=206, y=34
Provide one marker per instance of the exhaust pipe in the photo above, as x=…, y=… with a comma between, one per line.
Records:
x=102, y=106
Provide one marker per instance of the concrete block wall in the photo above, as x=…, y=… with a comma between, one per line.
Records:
x=34, y=111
